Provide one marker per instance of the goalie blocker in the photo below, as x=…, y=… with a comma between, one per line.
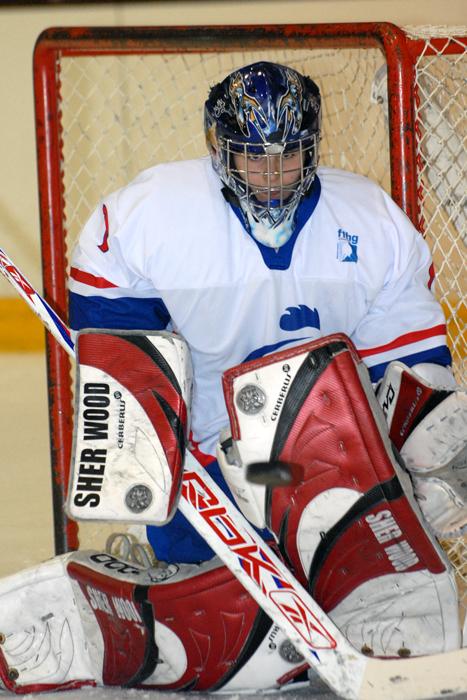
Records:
x=131, y=427
x=347, y=523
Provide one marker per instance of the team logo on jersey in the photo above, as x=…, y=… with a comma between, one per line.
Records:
x=296, y=317
x=293, y=319
x=346, y=246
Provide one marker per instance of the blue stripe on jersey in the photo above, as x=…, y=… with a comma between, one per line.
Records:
x=281, y=258
x=267, y=349
x=124, y=313
x=438, y=356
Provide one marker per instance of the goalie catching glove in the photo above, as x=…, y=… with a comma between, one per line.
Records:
x=427, y=418
x=133, y=395
x=347, y=522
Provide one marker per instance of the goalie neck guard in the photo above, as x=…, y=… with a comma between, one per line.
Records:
x=262, y=125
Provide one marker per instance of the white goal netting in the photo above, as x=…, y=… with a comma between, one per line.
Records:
x=122, y=114
x=441, y=130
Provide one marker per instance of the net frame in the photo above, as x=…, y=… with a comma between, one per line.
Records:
x=401, y=52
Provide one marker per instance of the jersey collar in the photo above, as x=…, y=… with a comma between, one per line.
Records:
x=281, y=258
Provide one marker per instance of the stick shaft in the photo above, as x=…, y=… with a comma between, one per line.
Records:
x=34, y=300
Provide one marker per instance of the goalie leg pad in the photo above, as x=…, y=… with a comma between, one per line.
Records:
x=133, y=396
x=89, y=618
x=428, y=425
x=348, y=524
x=44, y=629
x=212, y=635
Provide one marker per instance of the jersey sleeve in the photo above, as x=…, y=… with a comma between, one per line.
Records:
x=405, y=321
x=107, y=284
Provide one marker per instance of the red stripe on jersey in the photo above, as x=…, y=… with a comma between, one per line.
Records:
x=104, y=246
x=90, y=280
x=432, y=274
x=204, y=459
x=406, y=339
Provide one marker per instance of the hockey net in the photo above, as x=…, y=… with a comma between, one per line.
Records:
x=112, y=102
x=440, y=102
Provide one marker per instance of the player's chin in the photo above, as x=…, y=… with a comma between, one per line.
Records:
x=276, y=195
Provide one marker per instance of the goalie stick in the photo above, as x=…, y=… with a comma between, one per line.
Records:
x=348, y=672
x=40, y=307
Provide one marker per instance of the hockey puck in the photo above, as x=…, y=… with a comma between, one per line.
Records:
x=270, y=473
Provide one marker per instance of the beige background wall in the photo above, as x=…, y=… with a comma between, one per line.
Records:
x=19, y=28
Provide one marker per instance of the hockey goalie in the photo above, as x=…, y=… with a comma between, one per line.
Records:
x=308, y=460
x=246, y=287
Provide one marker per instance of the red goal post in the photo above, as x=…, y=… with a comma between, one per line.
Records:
x=112, y=101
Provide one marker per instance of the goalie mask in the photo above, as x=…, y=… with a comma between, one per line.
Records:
x=262, y=125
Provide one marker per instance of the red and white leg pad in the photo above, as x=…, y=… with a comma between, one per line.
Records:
x=88, y=618
x=348, y=524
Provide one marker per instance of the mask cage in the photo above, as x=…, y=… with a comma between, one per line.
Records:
x=259, y=175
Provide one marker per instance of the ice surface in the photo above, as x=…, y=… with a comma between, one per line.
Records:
x=132, y=694
x=309, y=693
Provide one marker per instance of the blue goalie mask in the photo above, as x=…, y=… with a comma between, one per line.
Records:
x=262, y=125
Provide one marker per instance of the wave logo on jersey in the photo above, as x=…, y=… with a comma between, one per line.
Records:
x=296, y=317
x=346, y=246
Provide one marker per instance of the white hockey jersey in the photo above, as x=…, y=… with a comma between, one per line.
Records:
x=168, y=251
